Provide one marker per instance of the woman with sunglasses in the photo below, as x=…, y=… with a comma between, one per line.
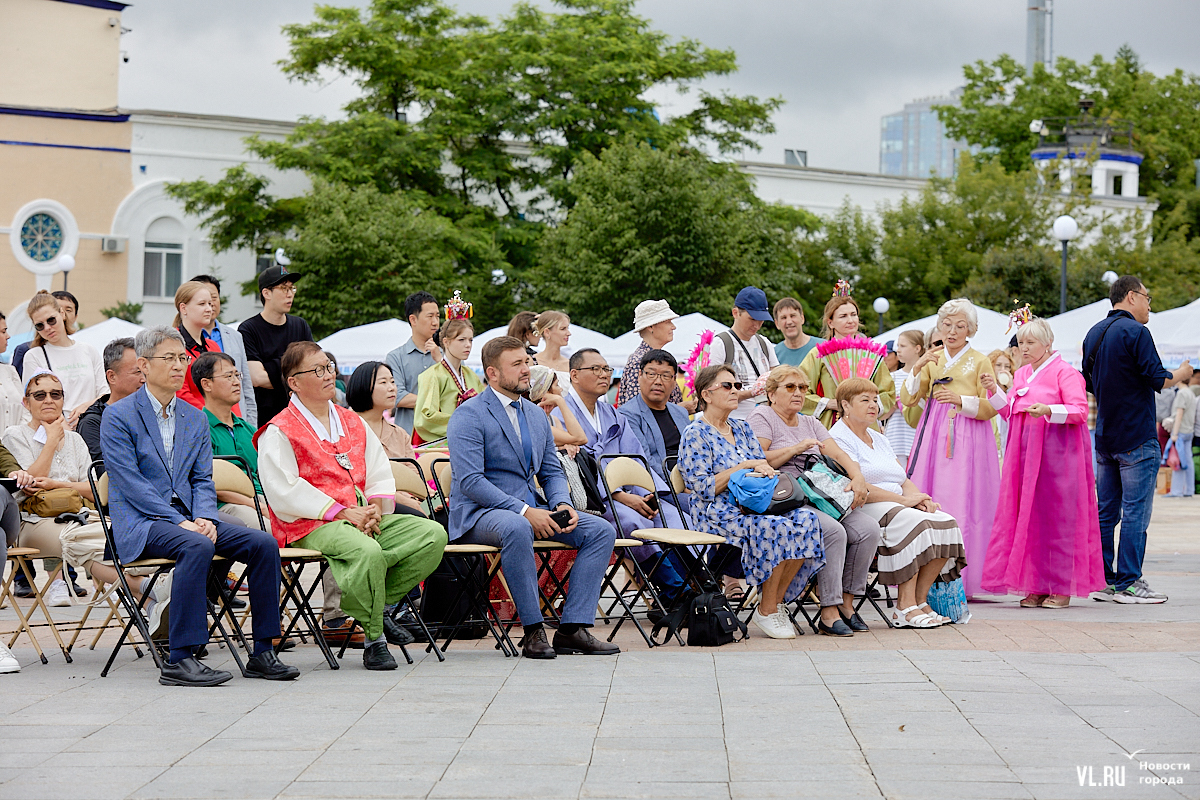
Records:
x=954, y=456
x=53, y=457
x=778, y=553
x=77, y=364
x=789, y=438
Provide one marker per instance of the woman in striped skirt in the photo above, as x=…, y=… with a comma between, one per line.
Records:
x=920, y=542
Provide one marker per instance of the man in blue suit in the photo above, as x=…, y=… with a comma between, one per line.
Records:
x=163, y=504
x=499, y=442
x=657, y=423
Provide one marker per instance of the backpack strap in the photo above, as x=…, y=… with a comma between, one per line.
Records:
x=727, y=339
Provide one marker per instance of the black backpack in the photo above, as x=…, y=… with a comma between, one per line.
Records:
x=709, y=619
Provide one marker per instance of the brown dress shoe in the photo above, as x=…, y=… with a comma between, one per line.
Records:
x=536, y=646
x=582, y=643
x=336, y=631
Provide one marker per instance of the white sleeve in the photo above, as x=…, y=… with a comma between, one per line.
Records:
x=970, y=406
x=290, y=496
x=822, y=404
x=772, y=358
x=34, y=360
x=1058, y=413
x=911, y=383
x=716, y=352
x=380, y=480
x=998, y=398
x=101, y=380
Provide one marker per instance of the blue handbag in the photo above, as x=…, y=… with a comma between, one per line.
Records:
x=752, y=492
x=949, y=599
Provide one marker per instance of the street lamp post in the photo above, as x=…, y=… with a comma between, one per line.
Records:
x=1065, y=229
x=66, y=262
x=881, y=306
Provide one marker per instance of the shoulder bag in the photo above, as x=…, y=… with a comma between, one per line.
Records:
x=709, y=619
x=52, y=502
x=826, y=485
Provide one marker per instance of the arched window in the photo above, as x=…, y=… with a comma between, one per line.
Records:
x=162, y=264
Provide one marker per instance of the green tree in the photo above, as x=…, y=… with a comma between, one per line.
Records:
x=364, y=251
x=130, y=312
x=663, y=222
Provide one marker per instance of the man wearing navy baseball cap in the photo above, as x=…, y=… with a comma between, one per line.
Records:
x=745, y=350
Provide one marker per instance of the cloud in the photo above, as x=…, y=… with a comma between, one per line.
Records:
x=839, y=66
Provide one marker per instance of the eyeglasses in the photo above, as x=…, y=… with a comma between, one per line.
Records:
x=320, y=372
x=726, y=385
x=234, y=376
x=286, y=288
x=40, y=395
x=792, y=388
x=603, y=372
x=50, y=322
x=658, y=377
x=960, y=327
x=182, y=359
x=1135, y=291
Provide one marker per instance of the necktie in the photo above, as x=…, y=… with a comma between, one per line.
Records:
x=526, y=450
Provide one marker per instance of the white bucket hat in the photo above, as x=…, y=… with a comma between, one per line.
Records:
x=651, y=312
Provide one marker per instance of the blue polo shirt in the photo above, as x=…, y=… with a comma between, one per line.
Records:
x=1126, y=374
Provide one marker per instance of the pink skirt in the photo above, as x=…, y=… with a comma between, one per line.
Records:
x=965, y=480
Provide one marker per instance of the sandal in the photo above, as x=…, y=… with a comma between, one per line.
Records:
x=936, y=617
x=1057, y=601
x=1033, y=600
x=734, y=593
x=922, y=620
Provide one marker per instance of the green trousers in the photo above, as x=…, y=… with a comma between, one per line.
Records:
x=379, y=571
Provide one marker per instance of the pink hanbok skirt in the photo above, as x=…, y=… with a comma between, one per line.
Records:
x=966, y=480
x=1046, y=539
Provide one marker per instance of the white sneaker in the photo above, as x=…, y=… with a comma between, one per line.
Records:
x=58, y=594
x=776, y=625
x=156, y=609
x=8, y=662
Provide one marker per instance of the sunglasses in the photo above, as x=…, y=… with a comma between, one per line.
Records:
x=40, y=395
x=792, y=388
x=49, y=323
x=726, y=385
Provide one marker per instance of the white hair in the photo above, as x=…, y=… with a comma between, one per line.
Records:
x=963, y=306
x=1037, y=329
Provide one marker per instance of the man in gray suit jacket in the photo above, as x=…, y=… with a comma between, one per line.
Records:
x=657, y=423
x=499, y=442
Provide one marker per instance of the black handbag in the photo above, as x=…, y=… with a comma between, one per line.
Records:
x=589, y=473
x=788, y=496
x=709, y=619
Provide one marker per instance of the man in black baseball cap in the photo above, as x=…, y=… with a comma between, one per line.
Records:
x=268, y=334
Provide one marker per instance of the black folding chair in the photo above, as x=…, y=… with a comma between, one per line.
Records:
x=869, y=595
x=99, y=485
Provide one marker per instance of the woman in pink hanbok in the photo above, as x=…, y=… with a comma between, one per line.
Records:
x=1046, y=540
x=954, y=456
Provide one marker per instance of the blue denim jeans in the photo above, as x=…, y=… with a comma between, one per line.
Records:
x=1183, y=481
x=1125, y=485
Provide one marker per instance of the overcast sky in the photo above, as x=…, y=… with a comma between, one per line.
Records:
x=839, y=65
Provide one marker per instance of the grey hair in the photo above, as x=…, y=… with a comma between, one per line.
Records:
x=114, y=351
x=1037, y=329
x=960, y=305
x=148, y=341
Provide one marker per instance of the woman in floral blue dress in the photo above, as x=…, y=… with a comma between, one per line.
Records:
x=779, y=553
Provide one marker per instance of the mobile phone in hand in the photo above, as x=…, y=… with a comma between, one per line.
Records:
x=562, y=517
x=652, y=501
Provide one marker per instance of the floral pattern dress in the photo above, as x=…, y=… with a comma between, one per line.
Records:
x=765, y=540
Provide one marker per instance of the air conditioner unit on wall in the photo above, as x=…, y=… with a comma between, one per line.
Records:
x=112, y=244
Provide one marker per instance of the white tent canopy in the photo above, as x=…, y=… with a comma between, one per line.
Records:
x=100, y=334
x=688, y=330
x=371, y=342
x=1070, y=328
x=991, y=336
x=1177, y=332
x=581, y=338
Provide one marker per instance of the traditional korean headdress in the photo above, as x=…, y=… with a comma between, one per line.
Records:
x=841, y=288
x=458, y=308
x=1018, y=317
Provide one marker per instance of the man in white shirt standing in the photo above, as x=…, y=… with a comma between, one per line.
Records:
x=747, y=352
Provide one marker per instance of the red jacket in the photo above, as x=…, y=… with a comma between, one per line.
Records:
x=189, y=393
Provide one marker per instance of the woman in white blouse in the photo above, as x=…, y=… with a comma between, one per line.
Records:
x=920, y=542
x=77, y=364
x=57, y=458
x=12, y=410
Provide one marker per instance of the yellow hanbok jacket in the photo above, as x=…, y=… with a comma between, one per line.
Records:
x=964, y=371
x=437, y=397
x=822, y=389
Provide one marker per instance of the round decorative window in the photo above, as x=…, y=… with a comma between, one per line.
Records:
x=41, y=237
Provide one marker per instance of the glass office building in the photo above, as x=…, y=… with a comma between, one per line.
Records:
x=913, y=142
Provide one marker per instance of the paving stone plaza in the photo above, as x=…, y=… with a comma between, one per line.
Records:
x=1019, y=703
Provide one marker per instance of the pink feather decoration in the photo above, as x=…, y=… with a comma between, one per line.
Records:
x=698, y=360
x=851, y=357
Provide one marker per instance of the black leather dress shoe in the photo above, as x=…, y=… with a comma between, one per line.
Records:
x=854, y=621
x=395, y=633
x=536, y=646
x=190, y=672
x=377, y=657
x=838, y=628
x=582, y=643
x=267, y=665
x=410, y=624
